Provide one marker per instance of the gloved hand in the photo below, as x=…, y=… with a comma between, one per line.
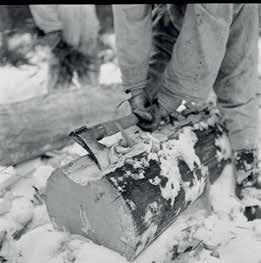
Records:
x=159, y=116
x=140, y=104
x=151, y=112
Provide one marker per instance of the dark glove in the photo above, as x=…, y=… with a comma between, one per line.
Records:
x=140, y=104
x=159, y=116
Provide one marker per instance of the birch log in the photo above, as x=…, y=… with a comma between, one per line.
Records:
x=128, y=206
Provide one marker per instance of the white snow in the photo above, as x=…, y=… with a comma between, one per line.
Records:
x=21, y=211
x=25, y=82
x=225, y=152
x=221, y=235
x=6, y=173
x=46, y=244
x=40, y=217
x=40, y=177
x=149, y=213
x=224, y=233
x=90, y=252
x=109, y=74
x=172, y=150
x=222, y=197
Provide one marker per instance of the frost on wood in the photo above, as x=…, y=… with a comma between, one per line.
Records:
x=143, y=191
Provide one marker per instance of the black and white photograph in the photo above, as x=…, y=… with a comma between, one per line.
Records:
x=130, y=133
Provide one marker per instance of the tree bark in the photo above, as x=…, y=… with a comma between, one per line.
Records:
x=127, y=208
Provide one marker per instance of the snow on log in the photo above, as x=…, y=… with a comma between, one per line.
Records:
x=143, y=191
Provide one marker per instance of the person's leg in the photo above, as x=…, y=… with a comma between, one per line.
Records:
x=236, y=88
x=164, y=35
x=89, y=45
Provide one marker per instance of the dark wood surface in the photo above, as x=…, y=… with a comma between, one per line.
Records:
x=142, y=193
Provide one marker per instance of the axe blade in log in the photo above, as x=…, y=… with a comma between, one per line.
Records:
x=128, y=207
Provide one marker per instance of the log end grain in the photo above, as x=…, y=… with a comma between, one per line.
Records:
x=128, y=206
x=93, y=205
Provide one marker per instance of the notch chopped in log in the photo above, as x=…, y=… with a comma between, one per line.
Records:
x=87, y=138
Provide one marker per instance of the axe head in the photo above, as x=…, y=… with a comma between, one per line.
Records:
x=87, y=139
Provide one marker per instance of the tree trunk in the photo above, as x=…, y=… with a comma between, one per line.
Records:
x=127, y=207
x=33, y=127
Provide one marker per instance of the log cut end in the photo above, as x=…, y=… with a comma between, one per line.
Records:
x=145, y=189
x=88, y=205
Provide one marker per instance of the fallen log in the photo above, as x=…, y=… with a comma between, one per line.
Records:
x=39, y=104
x=36, y=126
x=130, y=204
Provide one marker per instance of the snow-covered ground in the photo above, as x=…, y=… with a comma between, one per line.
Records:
x=219, y=236
x=27, y=81
x=222, y=235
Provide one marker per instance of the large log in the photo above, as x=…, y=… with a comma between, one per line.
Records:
x=126, y=207
x=39, y=105
x=33, y=127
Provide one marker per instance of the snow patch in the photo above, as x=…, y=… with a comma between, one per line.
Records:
x=40, y=217
x=172, y=150
x=40, y=177
x=27, y=81
x=155, y=181
x=222, y=196
x=110, y=74
x=150, y=212
x=41, y=245
x=22, y=210
x=90, y=252
x=225, y=151
x=131, y=204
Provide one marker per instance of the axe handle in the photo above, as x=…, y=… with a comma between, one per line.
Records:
x=109, y=128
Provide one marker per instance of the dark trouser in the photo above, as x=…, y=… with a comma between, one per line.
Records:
x=236, y=82
x=164, y=36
